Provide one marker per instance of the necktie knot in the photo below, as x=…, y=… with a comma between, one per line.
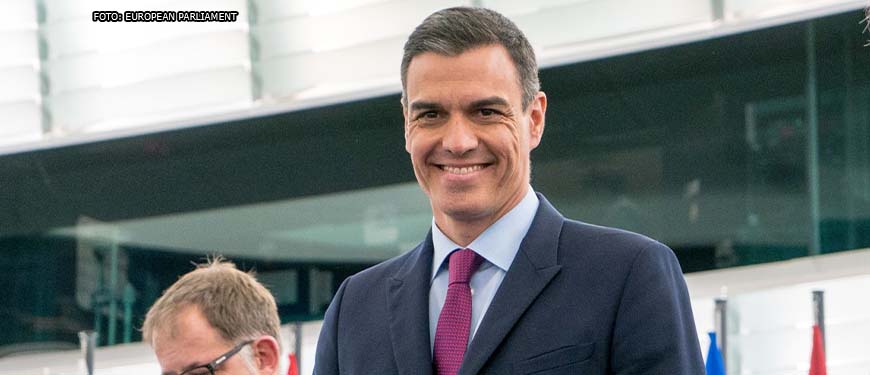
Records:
x=463, y=264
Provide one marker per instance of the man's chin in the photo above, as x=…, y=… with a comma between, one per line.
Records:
x=467, y=212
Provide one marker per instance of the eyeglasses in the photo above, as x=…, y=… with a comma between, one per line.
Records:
x=209, y=368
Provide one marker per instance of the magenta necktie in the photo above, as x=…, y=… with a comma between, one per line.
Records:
x=454, y=323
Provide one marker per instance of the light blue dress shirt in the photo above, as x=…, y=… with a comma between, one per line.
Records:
x=498, y=244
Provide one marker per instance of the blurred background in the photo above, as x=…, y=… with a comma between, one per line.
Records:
x=737, y=132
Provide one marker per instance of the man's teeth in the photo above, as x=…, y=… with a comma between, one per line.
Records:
x=462, y=170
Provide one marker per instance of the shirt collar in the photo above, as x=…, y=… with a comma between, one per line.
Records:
x=499, y=243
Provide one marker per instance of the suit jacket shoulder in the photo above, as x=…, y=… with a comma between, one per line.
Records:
x=377, y=322
x=600, y=301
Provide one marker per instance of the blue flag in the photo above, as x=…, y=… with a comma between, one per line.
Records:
x=715, y=366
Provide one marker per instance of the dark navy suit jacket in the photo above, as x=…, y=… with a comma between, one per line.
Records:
x=578, y=299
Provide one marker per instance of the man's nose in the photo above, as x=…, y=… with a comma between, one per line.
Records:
x=459, y=137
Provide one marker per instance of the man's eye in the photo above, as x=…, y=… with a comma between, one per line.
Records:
x=198, y=371
x=201, y=372
x=429, y=115
x=486, y=112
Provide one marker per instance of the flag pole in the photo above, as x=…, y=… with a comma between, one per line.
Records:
x=298, y=345
x=819, y=313
x=721, y=321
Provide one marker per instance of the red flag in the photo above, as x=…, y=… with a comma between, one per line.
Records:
x=817, y=361
x=293, y=368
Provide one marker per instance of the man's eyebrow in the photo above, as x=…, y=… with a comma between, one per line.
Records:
x=490, y=101
x=423, y=105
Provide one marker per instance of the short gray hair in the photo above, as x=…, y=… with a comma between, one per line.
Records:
x=452, y=31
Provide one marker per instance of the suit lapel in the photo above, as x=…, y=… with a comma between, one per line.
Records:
x=408, y=298
x=531, y=271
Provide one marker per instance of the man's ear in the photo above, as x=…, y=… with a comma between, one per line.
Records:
x=537, y=115
x=267, y=353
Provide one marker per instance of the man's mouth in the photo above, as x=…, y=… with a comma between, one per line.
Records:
x=462, y=170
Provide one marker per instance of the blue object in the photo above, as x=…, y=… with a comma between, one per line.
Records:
x=715, y=366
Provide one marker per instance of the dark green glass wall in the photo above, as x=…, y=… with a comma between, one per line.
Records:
x=708, y=146
x=744, y=149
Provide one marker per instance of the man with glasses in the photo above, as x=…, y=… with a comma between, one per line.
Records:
x=215, y=320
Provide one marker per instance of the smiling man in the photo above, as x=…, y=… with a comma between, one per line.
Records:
x=503, y=283
x=215, y=320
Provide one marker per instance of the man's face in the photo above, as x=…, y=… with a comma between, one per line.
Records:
x=193, y=343
x=467, y=133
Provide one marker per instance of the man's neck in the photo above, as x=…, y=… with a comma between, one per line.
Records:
x=460, y=232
